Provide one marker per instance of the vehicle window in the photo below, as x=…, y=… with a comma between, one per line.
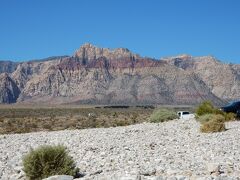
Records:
x=184, y=113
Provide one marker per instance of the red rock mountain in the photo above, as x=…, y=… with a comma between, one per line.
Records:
x=117, y=76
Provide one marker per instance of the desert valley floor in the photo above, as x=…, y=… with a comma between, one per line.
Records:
x=168, y=150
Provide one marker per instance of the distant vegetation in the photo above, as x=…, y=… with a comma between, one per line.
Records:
x=47, y=161
x=207, y=108
x=211, y=118
x=16, y=119
x=24, y=120
x=161, y=115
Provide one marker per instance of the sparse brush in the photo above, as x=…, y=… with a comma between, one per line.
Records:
x=212, y=123
x=47, y=126
x=206, y=108
x=230, y=117
x=162, y=115
x=47, y=161
x=122, y=123
x=23, y=120
x=115, y=114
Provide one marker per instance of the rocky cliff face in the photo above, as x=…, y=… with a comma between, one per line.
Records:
x=9, y=91
x=222, y=79
x=104, y=76
x=88, y=52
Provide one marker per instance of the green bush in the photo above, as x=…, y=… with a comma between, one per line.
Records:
x=47, y=161
x=212, y=123
x=205, y=108
x=162, y=115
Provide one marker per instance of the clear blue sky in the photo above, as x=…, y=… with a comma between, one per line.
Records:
x=31, y=29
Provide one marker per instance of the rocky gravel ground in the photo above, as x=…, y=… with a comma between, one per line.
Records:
x=173, y=150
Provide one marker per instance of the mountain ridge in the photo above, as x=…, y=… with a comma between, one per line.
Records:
x=95, y=75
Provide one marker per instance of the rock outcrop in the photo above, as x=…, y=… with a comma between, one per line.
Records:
x=89, y=52
x=8, y=66
x=222, y=79
x=117, y=76
x=9, y=91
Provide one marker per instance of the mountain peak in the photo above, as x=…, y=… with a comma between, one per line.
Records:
x=92, y=46
x=87, y=45
x=182, y=57
x=91, y=52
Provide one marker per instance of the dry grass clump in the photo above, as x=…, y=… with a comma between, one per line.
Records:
x=212, y=123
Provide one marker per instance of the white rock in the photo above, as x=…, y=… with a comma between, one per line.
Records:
x=213, y=168
x=130, y=177
x=59, y=177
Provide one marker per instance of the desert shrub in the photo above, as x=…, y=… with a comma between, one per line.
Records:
x=121, y=123
x=218, y=111
x=47, y=126
x=93, y=123
x=205, y=108
x=212, y=123
x=162, y=115
x=115, y=114
x=230, y=116
x=134, y=118
x=205, y=118
x=47, y=161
